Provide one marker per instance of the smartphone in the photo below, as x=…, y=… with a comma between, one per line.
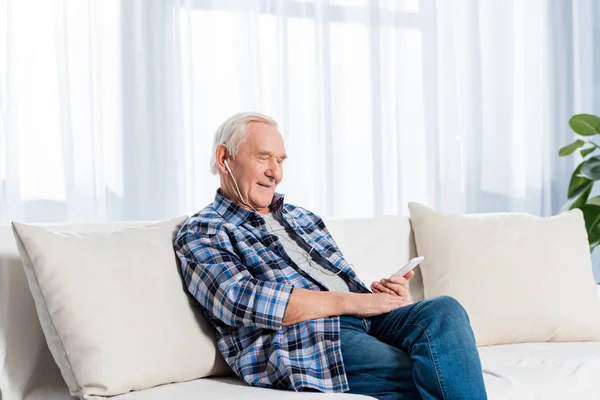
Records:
x=409, y=266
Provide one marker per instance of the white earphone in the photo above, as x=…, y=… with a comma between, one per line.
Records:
x=236, y=185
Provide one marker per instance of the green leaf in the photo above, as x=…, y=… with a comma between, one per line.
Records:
x=578, y=199
x=570, y=148
x=594, y=201
x=591, y=168
x=591, y=216
x=585, y=124
x=594, y=237
x=577, y=181
x=585, y=152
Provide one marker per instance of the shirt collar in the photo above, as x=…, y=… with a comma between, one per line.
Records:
x=235, y=213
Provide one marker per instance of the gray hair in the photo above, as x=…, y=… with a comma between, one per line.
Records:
x=232, y=133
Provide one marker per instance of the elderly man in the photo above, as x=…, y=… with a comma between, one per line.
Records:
x=288, y=309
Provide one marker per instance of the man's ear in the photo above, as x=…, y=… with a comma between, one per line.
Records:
x=222, y=155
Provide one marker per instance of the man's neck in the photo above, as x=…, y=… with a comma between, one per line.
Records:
x=234, y=199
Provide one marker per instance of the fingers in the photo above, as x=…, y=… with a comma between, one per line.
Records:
x=397, y=280
x=394, y=288
x=398, y=285
x=386, y=286
x=379, y=288
x=409, y=275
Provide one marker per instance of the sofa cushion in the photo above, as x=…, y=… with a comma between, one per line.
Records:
x=114, y=310
x=521, y=278
x=216, y=388
x=377, y=247
x=542, y=371
x=24, y=353
x=228, y=388
x=526, y=371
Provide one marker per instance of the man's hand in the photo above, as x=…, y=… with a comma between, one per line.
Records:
x=370, y=305
x=307, y=304
x=394, y=285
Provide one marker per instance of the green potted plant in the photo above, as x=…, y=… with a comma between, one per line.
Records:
x=586, y=174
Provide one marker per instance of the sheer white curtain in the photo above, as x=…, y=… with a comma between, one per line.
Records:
x=108, y=107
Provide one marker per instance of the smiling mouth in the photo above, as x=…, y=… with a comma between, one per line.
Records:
x=265, y=186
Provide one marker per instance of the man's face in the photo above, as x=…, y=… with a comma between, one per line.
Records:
x=258, y=166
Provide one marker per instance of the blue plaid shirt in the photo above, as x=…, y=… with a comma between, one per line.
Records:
x=243, y=278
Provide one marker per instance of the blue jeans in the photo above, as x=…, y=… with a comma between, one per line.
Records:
x=424, y=350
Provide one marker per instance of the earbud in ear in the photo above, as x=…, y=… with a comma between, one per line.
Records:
x=227, y=166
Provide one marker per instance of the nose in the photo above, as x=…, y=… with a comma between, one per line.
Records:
x=274, y=171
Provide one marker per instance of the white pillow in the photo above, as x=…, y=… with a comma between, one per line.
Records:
x=521, y=278
x=114, y=310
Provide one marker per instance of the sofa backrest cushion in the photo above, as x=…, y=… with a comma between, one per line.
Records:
x=24, y=353
x=377, y=247
x=521, y=278
x=114, y=311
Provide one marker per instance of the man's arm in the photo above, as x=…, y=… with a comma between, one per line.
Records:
x=215, y=276
x=217, y=279
x=307, y=304
x=310, y=304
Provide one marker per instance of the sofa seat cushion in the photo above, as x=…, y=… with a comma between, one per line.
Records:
x=525, y=371
x=220, y=388
x=542, y=371
x=226, y=388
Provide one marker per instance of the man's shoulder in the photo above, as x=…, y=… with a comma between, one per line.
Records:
x=206, y=222
x=301, y=214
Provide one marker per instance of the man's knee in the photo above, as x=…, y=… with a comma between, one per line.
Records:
x=448, y=306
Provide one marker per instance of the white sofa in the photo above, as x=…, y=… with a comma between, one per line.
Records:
x=376, y=246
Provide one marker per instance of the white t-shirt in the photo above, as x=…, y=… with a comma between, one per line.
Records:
x=294, y=247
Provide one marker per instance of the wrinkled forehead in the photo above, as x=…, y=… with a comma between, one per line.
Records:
x=263, y=138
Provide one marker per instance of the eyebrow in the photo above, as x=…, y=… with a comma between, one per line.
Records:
x=268, y=153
